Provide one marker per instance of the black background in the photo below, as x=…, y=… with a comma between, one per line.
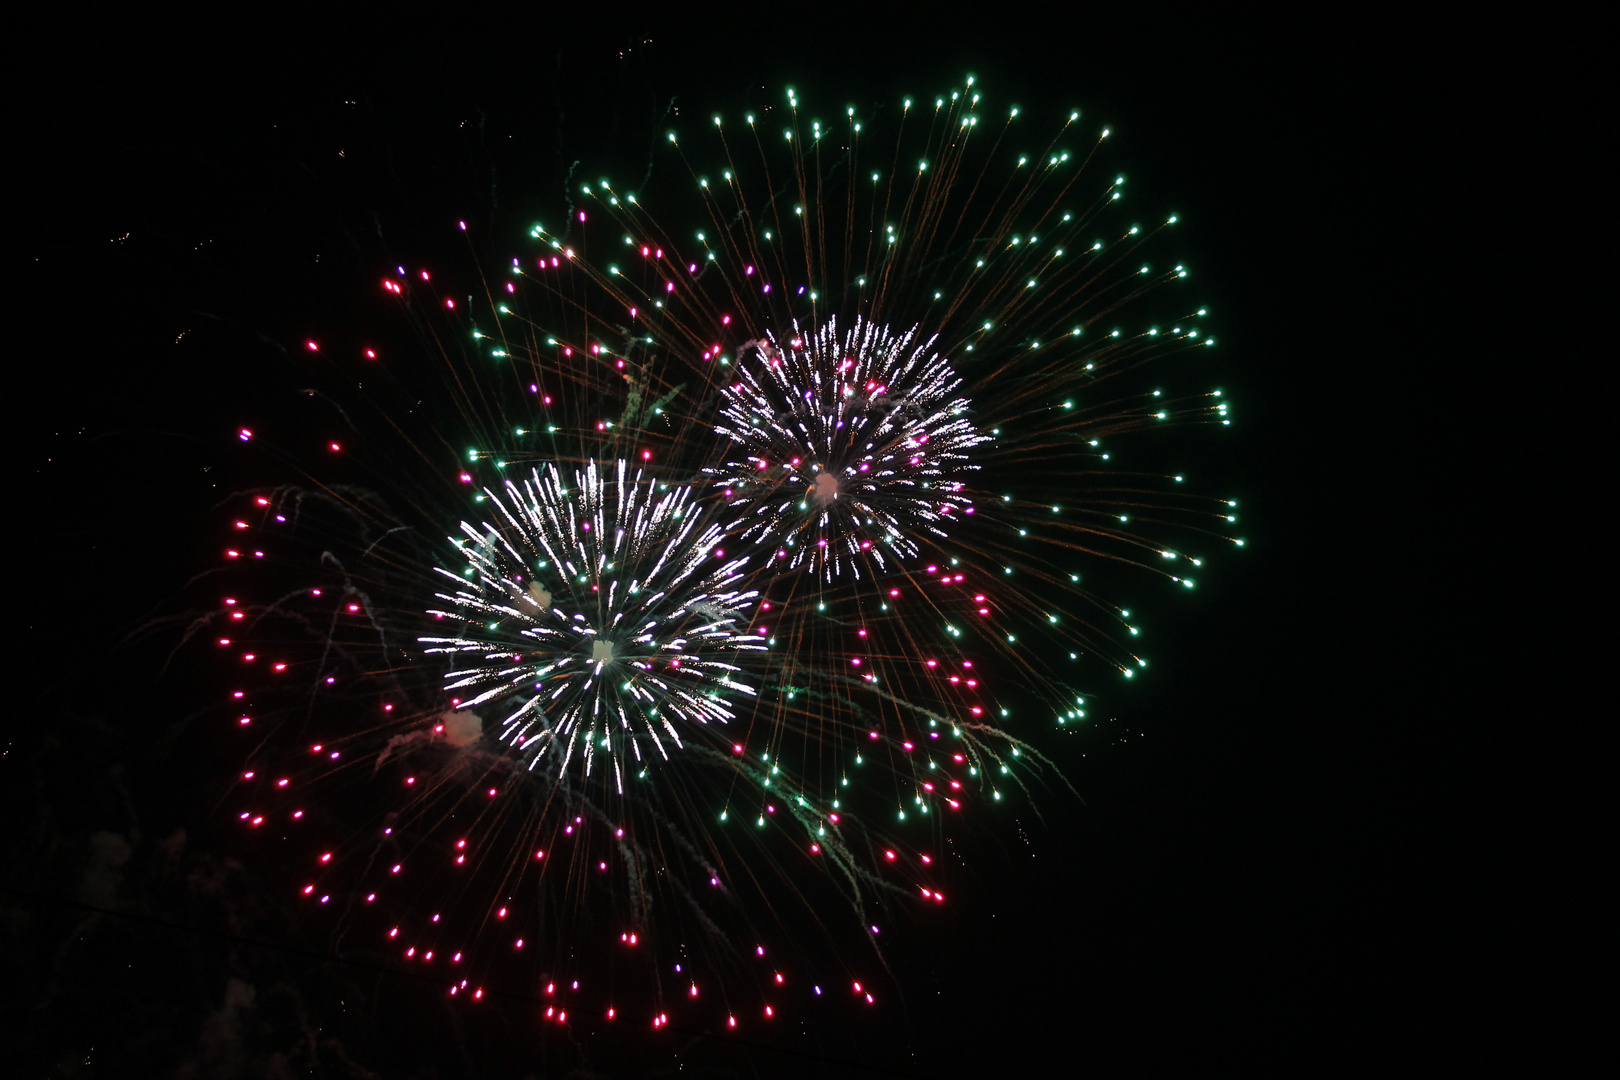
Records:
x=1307, y=849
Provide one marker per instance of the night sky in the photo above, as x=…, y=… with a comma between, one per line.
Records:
x=1292, y=845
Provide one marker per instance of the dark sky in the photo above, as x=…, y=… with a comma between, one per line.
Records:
x=1285, y=864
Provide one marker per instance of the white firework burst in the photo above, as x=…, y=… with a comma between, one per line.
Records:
x=845, y=447
x=603, y=613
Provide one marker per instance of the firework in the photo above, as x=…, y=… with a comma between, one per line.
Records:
x=843, y=447
x=603, y=610
x=785, y=519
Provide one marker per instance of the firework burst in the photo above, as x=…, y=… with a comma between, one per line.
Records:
x=844, y=446
x=602, y=611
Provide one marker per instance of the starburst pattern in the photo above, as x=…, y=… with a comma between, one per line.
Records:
x=844, y=446
x=604, y=610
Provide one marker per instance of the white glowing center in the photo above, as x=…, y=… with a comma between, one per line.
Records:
x=601, y=651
